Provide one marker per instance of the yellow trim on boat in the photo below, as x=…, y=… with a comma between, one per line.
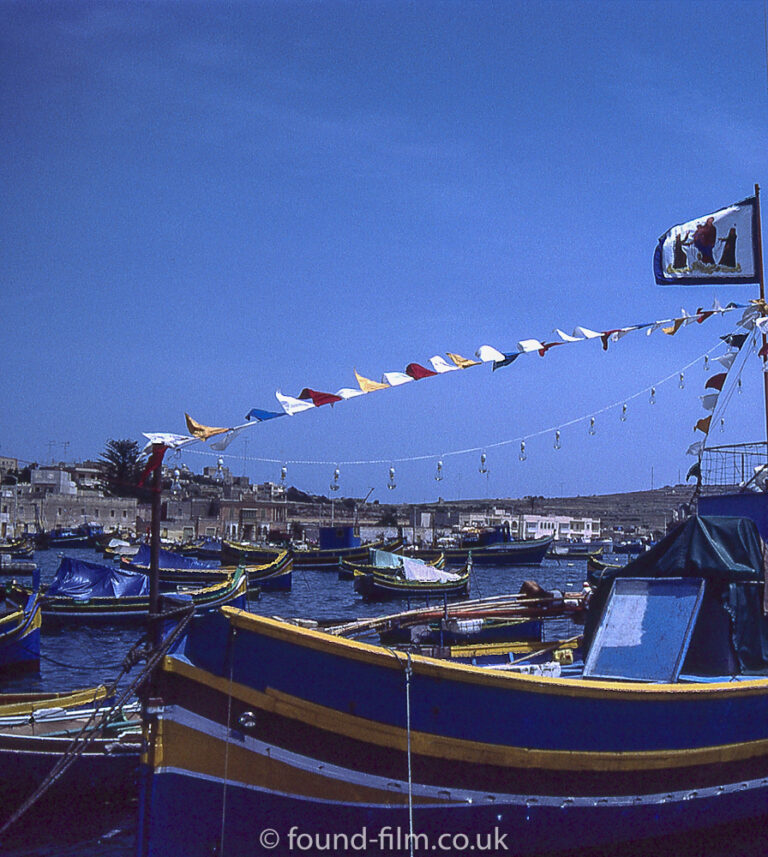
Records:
x=76, y=699
x=469, y=674
x=458, y=749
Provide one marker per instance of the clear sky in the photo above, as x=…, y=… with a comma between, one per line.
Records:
x=203, y=203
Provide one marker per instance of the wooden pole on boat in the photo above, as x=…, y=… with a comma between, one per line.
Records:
x=154, y=553
x=761, y=281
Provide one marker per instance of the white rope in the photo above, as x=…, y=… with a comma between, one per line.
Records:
x=408, y=674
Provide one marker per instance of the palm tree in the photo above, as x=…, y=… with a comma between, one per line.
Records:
x=121, y=468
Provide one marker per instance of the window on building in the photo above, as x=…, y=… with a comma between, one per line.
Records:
x=125, y=513
x=95, y=513
x=111, y=513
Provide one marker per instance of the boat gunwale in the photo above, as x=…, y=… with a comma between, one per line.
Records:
x=382, y=656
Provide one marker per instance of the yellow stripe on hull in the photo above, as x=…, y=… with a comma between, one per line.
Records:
x=460, y=750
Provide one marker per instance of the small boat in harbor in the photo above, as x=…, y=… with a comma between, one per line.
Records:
x=275, y=575
x=19, y=630
x=40, y=731
x=17, y=549
x=501, y=553
x=661, y=729
x=413, y=578
x=378, y=560
x=243, y=553
x=86, y=592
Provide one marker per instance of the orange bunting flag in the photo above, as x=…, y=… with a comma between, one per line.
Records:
x=201, y=431
x=462, y=362
x=716, y=381
x=703, y=424
x=367, y=385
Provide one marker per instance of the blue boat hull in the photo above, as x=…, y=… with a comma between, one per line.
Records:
x=288, y=726
x=515, y=825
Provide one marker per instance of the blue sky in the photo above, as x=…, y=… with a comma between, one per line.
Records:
x=206, y=202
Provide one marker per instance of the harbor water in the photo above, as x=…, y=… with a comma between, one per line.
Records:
x=75, y=657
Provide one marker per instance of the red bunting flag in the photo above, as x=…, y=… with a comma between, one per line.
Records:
x=716, y=381
x=417, y=371
x=155, y=460
x=703, y=424
x=319, y=398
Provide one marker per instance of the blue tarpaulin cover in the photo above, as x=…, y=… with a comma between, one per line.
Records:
x=170, y=559
x=77, y=578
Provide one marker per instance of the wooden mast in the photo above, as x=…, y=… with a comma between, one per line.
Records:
x=761, y=281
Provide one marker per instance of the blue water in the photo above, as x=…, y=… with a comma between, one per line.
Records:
x=80, y=657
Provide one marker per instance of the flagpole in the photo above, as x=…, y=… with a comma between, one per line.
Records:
x=761, y=281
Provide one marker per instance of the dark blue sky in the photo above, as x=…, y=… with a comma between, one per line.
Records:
x=206, y=202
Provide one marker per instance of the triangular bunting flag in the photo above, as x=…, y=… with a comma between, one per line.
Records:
x=508, y=358
x=417, y=371
x=319, y=398
x=395, y=379
x=716, y=381
x=488, y=354
x=710, y=401
x=671, y=331
x=201, y=431
x=703, y=424
x=695, y=470
x=695, y=448
x=726, y=360
x=441, y=365
x=462, y=362
x=735, y=340
x=293, y=406
x=528, y=346
x=367, y=385
x=260, y=416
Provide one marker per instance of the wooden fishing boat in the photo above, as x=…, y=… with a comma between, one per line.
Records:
x=377, y=560
x=265, y=724
x=500, y=619
x=37, y=732
x=574, y=550
x=19, y=630
x=242, y=553
x=268, y=577
x=84, y=592
x=594, y=563
x=521, y=552
x=18, y=549
x=412, y=579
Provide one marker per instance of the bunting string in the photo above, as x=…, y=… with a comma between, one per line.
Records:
x=309, y=398
x=431, y=456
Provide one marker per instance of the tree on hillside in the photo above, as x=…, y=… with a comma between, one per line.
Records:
x=121, y=468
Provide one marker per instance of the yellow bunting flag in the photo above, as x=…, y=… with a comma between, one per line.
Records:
x=368, y=386
x=671, y=331
x=201, y=431
x=462, y=362
x=703, y=424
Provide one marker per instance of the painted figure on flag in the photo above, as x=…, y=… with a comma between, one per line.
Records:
x=685, y=253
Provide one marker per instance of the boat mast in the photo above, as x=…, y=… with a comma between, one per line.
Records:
x=761, y=281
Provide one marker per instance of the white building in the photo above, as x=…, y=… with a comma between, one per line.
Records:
x=561, y=527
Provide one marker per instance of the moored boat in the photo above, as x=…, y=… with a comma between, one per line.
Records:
x=19, y=630
x=275, y=575
x=413, y=578
x=516, y=552
x=85, y=592
x=239, y=553
x=665, y=730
